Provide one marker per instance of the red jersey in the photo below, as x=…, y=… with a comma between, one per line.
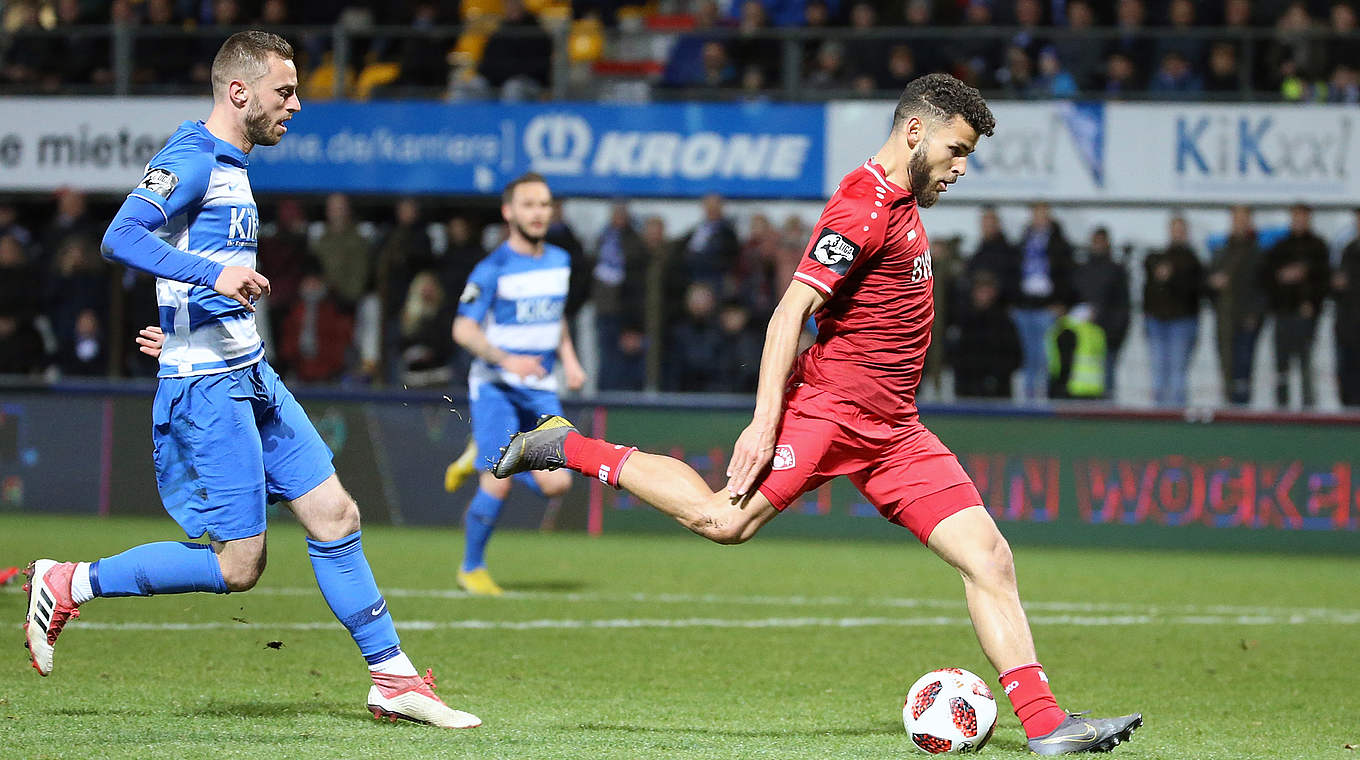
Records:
x=870, y=255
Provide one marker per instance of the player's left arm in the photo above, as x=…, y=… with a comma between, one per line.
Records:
x=571, y=365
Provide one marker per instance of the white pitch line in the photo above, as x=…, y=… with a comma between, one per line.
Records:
x=1121, y=609
x=710, y=622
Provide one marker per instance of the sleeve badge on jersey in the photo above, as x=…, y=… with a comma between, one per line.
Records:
x=470, y=293
x=834, y=251
x=162, y=182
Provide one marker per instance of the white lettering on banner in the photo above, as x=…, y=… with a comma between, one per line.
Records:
x=701, y=155
x=1030, y=149
x=384, y=145
x=557, y=143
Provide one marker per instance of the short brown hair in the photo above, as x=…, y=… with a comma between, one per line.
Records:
x=245, y=56
x=524, y=179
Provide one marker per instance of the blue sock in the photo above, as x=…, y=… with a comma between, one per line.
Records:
x=165, y=567
x=347, y=583
x=479, y=521
x=527, y=478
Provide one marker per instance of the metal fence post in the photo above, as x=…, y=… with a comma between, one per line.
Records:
x=121, y=51
x=339, y=59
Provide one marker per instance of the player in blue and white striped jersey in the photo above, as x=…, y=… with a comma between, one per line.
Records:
x=227, y=434
x=510, y=319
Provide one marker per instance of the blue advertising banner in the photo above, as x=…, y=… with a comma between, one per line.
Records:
x=757, y=150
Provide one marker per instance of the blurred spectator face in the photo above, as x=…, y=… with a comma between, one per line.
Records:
x=979, y=13
x=1100, y=242
x=1028, y=12
x=73, y=257
x=1175, y=67
x=654, y=231
x=752, y=15
x=753, y=80
x=1049, y=65
x=530, y=211
x=427, y=286
x=863, y=16
x=337, y=210
x=1182, y=13
x=1343, y=17
x=919, y=12
x=68, y=12
x=1241, y=222
x=1223, y=59
x=1080, y=16
x=990, y=223
x=1040, y=216
x=901, y=63
x=618, y=215
x=1237, y=13
x=1294, y=18
x=274, y=12
x=816, y=14
x=1119, y=68
x=715, y=56
x=1130, y=13
x=713, y=207
x=312, y=288
x=459, y=231
x=733, y=318
x=1300, y=219
x=1180, y=231
x=795, y=231
x=11, y=253
x=514, y=11
x=226, y=12
x=985, y=291
x=830, y=56
x=7, y=215
x=70, y=203
x=408, y=211
x=8, y=326
x=700, y=302
x=1019, y=64
x=160, y=12
x=87, y=324
x=705, y=14
x=761, y=228
x=290, y=215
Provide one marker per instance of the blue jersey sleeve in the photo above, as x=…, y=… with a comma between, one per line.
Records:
x=176, y=179
x=479, y=292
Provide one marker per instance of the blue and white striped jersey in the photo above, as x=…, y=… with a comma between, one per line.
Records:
x=518, y=299
x=199, y=185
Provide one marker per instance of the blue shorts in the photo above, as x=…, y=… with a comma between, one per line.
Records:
x=226, y=443
x=500, y=411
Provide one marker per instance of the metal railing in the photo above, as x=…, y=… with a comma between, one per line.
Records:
x=123, y=59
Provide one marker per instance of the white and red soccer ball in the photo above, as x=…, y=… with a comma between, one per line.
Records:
x=949, y=710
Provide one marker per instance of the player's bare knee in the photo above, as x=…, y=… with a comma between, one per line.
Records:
x=994, y=564
x=241, y=573
x=558, y=485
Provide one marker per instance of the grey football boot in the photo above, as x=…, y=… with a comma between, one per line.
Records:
x=537, y=449
x=1081, y=734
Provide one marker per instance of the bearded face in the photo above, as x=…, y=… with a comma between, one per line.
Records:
x=259, y=127
x=922, y=184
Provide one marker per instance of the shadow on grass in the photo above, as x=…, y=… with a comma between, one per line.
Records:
x=733, y=732
x=540, y=586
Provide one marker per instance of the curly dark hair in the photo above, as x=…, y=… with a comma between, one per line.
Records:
x=940, y=97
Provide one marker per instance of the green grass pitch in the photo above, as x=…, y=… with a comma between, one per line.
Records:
x=633, y=646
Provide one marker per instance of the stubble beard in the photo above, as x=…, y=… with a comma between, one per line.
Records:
x=524, y=233
x=259, y=128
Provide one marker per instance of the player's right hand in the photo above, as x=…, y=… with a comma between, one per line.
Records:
x=750, y=456
x=523, y=365
x=150, y=340
x=242, y=285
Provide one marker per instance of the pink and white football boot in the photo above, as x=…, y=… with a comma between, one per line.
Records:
x=412, y=698
x=49, y=609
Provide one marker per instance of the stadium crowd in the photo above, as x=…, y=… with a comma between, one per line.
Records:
x=371, y=301
x=1290, y=49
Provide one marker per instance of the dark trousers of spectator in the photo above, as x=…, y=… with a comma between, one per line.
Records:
x=1294, y=340
x=618, y=370
x=1348, y=369
x=1111, y=363
x=1241, y=357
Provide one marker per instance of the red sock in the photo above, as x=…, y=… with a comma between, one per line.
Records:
x=595, y=458
x=1032, y=700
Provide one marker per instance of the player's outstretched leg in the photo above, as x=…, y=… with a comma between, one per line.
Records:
x=347, y=583
x=668, y=485
x=49, y=608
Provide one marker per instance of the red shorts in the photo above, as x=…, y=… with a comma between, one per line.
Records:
x=901, y=468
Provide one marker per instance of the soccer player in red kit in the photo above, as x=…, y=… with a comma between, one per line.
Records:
x=847, y=405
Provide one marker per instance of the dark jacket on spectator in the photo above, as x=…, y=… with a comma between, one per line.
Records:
x=1103, y=283
x=1177, y=296
x=984, y=350
x=1308, y=252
